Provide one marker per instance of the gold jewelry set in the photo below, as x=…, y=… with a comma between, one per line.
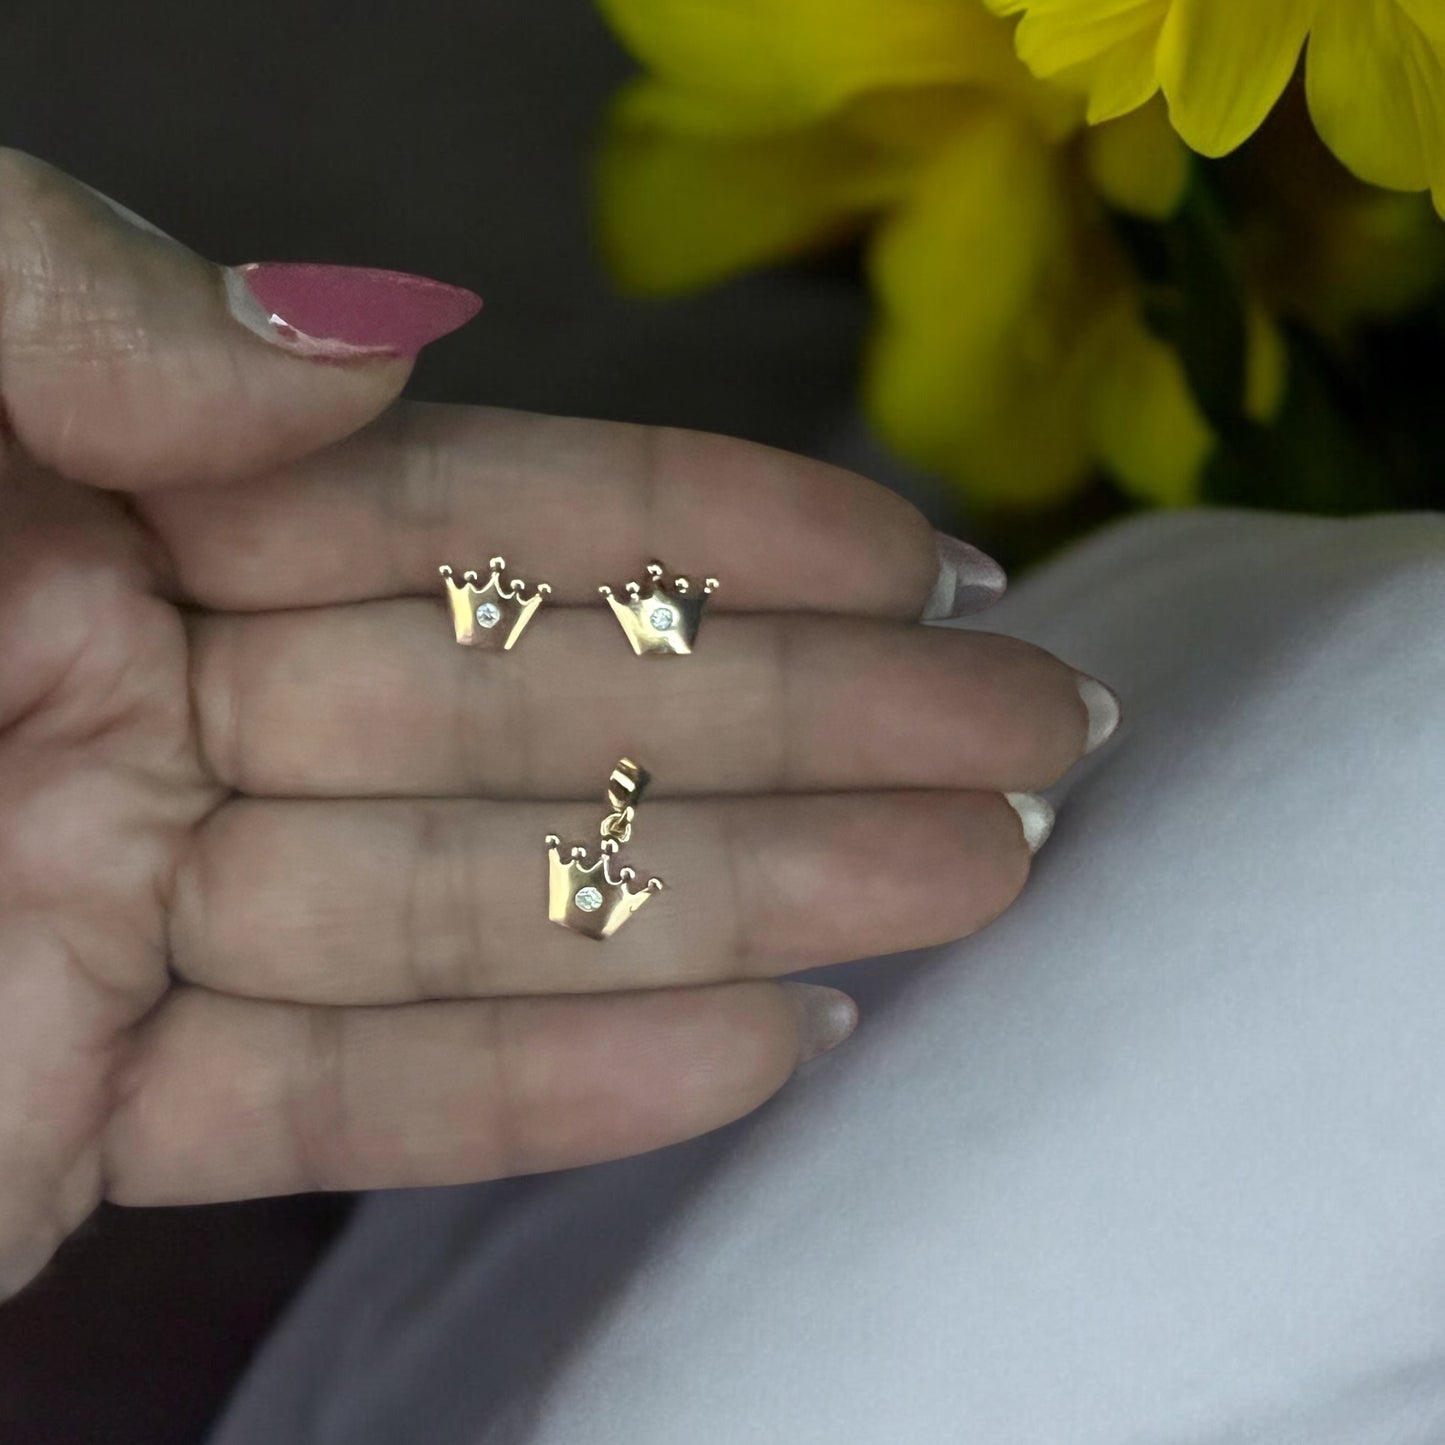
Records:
x=660, y=619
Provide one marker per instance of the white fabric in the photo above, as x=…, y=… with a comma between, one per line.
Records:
x=1158, y=1158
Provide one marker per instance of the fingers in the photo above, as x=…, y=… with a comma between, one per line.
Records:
x=391, y=902
x=130, y=362
x=309, y=1098
x=379, y=700
x=573, y=503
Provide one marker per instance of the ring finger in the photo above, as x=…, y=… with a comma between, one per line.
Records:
x=398, y=901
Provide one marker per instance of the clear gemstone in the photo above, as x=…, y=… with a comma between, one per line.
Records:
x=489, y=614
x=661, y=619
x=588, y=899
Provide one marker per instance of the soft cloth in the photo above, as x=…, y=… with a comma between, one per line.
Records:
x=1158, y=1158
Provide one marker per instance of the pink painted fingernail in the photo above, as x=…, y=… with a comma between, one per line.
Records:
x=968, y=580
x=344, y=313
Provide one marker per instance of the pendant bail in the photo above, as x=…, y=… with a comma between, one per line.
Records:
x=596, y=899
x=624, y=791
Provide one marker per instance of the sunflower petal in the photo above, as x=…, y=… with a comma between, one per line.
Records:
x=1376, y=85
x=1102, y=49
x=1054, y=37
x=1117, y=82
x=678, y=209
x=758, y=64
x=1224, y=63
x=1144, y=423
x=1138, y=164
x=972, y=371
x=1266, y=365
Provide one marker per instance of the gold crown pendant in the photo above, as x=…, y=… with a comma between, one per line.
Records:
x=663, y=620
x=590, y=898
x=495, y=613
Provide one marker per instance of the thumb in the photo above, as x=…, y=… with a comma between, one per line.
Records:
x=127, y=361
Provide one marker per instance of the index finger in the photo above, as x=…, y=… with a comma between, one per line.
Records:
x=571, y=502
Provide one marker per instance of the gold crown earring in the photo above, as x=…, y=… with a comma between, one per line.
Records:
x=492, y=614
x=588, y=897
x=663, y=620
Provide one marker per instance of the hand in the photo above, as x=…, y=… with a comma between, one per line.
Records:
x=271, y=868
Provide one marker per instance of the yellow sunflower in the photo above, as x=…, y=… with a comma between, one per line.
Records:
x=1010, y=351
x=1374, y=73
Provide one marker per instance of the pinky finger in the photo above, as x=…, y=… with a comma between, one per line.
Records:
x=230, y=1098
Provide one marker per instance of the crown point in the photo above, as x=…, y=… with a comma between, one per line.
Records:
x=655, y=570
x=518, y=585
x=627, y=874
x=579, y=851
x=605, y=590
x=445, y=570
x=498, y=564
x=710, y=586
x=654, y=885
x=633, y=590
x=552, y=840
x=469, y=576
x=544, y=589
x=680, y=585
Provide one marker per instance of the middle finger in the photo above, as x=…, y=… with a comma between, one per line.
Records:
x=378, y=700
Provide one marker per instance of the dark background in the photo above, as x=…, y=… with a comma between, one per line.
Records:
x=448, y=137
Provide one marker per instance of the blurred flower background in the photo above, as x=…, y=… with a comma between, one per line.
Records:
x=1121, y=252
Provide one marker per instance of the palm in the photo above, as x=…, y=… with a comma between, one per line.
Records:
x=102, y=784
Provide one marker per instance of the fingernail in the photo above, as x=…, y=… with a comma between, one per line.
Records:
x=1037, y=816
x=342, y=313
x=825, y=1018
x=968, y=580
x=1103, y=709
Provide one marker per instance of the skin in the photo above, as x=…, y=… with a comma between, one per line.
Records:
x=270, y=843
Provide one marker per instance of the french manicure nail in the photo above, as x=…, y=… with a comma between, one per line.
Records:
x=825, y=1018
x=343, y=313
x=1036, y=815
x=968, y=580
x=1103, y=709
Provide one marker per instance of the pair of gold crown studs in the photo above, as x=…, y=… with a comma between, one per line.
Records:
x=660, y=619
